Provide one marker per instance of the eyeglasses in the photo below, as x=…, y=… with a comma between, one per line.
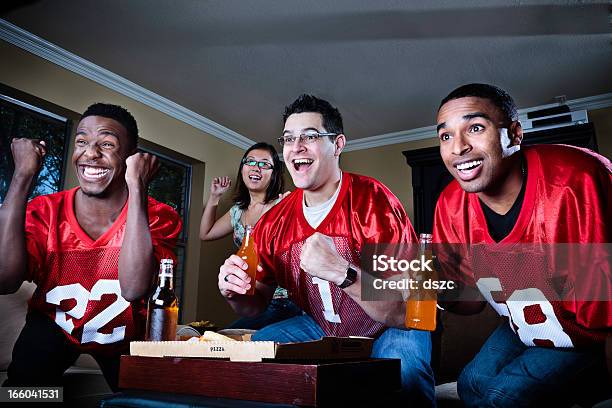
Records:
x=305, y=138
x=264, y=165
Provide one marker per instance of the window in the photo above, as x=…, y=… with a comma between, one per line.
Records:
x=171, y=186
x=20, y=119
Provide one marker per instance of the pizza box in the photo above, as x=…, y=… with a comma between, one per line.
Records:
x=326, y=348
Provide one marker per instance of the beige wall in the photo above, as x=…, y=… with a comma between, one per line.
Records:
x=40, y=78
x=388, y=165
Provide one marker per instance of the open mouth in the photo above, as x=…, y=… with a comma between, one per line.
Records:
x=254, y=177
x=469, y=169
x=302, y=164
x=94, y=173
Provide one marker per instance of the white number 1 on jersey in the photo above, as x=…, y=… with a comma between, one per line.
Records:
x=326, y=297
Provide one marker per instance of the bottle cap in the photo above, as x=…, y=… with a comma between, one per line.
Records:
x=425, y=238
x=166, y=267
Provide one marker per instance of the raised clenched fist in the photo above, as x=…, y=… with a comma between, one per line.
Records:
x=28, y=155
x=140, y=169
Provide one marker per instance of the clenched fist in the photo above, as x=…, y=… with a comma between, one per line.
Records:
x=321, y=259
x=140, y=169
x=28, y=155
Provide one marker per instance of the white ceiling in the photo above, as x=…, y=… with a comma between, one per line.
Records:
x=385, y=64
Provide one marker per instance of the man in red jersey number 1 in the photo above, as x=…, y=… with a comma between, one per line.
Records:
x=309, y=244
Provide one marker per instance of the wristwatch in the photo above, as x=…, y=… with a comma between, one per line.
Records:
x=350, y=277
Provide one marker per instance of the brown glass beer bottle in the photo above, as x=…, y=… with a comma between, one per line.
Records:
x=162, y=310
x=421, y=303
x=248, y=252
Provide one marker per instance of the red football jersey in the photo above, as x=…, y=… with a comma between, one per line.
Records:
x=365, y=212
x=567, y=200
x=77, y=278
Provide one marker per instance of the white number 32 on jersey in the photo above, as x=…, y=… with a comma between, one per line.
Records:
x=82, y=296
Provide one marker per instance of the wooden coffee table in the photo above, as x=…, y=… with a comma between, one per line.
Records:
x=302, y=383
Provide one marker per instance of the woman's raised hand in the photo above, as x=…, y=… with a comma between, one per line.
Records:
x=219, y=186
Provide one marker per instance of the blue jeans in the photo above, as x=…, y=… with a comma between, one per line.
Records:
x=412, y=347
x=507, y=373
x=278, y=310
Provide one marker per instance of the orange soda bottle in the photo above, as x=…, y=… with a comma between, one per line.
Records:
x=248, y=252
x=421, y=303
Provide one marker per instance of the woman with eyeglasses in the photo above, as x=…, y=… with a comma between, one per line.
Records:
x=259, y=186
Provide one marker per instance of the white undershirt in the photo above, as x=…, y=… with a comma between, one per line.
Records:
x=316, y=214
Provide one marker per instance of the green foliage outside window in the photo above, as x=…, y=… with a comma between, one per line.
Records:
x=17, y=122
